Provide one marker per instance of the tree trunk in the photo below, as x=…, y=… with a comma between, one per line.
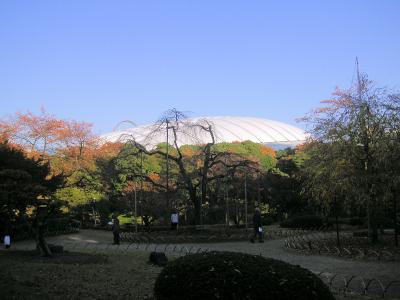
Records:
x=203, y=198
x=197, y=206
x=337, y=232
x=227, y=218
x=396, y=229
x=197, y=212
x=374, y=224
x=337, y=223
x=41, y=242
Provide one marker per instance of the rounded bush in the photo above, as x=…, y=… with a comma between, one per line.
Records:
x=228, y=275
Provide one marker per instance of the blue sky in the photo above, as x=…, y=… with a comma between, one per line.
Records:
x=108, y=61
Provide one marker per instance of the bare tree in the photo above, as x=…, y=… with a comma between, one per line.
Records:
x=196, y=171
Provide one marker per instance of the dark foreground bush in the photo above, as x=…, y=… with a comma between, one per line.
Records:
x=303, y=222
x=227, y=275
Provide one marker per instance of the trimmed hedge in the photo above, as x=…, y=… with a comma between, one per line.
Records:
x=303, y=222
x=229, y=275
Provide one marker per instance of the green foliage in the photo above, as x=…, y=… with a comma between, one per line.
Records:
x=267, y=220
x=250, y=150
x=354, y=156
x=267, y=162
x=24, y=182
x=228, y=275
x=122, y=174
x=265, y=209
x=126, y=219
x=104, y=208
x=303, y=222
x=76, y=196
x=284, y=185
x=329, y=174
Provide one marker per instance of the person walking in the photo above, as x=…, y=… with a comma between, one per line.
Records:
x=115, y=229
x=7, y=241
x=174, y=220
x=257, y=225
x=7, y=236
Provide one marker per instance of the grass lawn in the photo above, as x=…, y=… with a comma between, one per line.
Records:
x=25, y=275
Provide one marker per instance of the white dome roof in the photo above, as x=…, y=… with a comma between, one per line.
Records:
x=226, y=129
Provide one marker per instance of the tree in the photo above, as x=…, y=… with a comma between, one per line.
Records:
x=25, y=191
x=358, y=121
x=328, y=177
x=389, y=155
x=194, y=172
x=67, y=144
x=282, y=184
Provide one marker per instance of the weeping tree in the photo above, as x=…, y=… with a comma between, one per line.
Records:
x=359, y=119
x=191, y=170
x=26, y=187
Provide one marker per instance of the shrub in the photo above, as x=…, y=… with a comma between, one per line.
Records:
x=61, y=224
x=353, y=221
x=356, y=221
x=267, y=220
x=227, y=275
x=360, y=234
x=303, y=222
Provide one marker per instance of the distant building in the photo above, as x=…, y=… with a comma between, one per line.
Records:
x=276, y=135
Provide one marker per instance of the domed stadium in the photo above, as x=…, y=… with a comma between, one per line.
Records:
x=276, y=135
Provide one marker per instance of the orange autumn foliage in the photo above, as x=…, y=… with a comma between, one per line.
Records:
x=190, y=152
x=301, y=148
x=67, y=145
x=108, y=150
x=268, y=151
x=155, y=177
